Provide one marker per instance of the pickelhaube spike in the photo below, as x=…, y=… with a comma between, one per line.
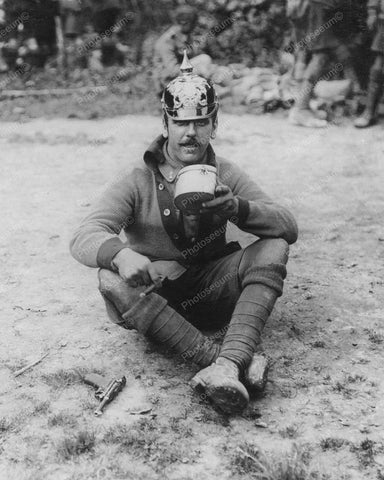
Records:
x=189, y=96
x=186, y=66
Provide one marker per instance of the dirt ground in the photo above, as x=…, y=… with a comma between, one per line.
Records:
x=322, y=411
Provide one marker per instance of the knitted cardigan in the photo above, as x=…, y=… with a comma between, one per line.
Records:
x=139, y=202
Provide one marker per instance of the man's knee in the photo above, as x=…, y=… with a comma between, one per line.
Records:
x=266, y=252
x=108, y=280
x=135, y=311
x=117, y=291
x=264, y=263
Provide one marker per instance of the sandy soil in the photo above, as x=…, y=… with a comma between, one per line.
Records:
x=323, y=406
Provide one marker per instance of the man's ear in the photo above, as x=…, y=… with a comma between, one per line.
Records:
x=165, y=127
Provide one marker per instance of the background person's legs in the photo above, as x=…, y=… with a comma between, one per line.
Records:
x=301, y=113
x=375, y=91
x=320, y=40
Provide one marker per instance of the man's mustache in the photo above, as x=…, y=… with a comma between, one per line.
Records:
x=190, y=143
x=199, y=143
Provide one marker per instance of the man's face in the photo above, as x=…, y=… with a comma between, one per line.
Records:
x=186, y=23
x=188, y=139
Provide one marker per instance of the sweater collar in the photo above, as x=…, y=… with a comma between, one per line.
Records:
x=156, y=158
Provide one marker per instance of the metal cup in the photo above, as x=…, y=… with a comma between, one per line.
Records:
x=195, y=185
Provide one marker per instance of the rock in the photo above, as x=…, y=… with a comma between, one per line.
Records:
x=223, y=92
x=271, y=95
x=255, y=95
x=269, y=83
x=223, y=76
x=261, y=424
x=333, y=90
x=18, y=110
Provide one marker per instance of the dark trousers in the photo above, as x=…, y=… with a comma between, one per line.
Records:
x=206, y=295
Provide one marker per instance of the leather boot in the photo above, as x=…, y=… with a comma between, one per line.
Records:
x=220, y=382
x=256, y=374
x=261, y=271
x=153, y=317
x=375, y=90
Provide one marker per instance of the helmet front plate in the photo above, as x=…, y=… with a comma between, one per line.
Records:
x=189, y=97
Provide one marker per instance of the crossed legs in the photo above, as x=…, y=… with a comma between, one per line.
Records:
x=254, y=280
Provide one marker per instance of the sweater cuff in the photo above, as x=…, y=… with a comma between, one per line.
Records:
x=107, y=251
x=242, y=213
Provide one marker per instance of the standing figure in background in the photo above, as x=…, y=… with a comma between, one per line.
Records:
x=107, y=23
x=74, y=14
x=317, y=39
x=297, y=13
x=75, y=18
x=44, y=28
x=91, y=30
x=170, y=46
x=31, y=38
x=375, y=23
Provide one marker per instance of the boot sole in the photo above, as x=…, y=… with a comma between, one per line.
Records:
x=229, y=399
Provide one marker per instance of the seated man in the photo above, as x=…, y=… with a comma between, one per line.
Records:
x=169, y=48
x=207, y=282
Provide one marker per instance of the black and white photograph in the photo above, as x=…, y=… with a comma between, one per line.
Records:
x=193, y=239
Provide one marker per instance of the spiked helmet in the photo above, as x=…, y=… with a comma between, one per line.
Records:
x=189, y=96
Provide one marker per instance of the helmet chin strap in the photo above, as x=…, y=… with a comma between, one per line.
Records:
x=165, y=128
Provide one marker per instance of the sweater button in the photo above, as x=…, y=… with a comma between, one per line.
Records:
x=161, y=186
x=176, y=236
x=167, y=212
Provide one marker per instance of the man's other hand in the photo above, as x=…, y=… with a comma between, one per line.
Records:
x=134, y=268
x=225, y=205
